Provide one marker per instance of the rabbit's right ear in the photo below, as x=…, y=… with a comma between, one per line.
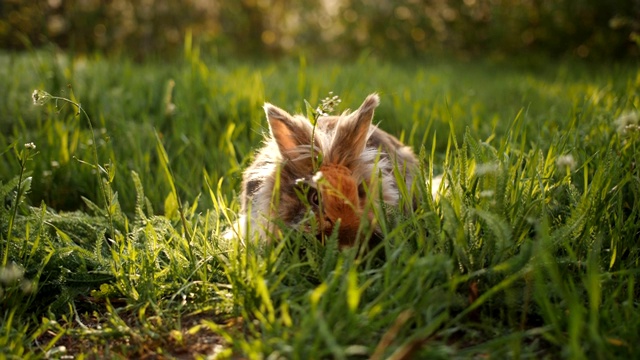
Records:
x=288, y=131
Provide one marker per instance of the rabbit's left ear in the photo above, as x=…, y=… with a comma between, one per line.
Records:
x=352, y=133
x=288, y=131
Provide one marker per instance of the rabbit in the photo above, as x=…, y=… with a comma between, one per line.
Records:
x=335, y=166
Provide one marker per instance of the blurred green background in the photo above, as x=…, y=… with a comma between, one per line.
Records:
x=593, y=29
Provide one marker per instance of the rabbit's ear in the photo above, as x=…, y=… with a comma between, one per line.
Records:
x=352, y=133
x=288, y=131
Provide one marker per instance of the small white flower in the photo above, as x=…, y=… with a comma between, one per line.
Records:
x=328, y=104
x=317, y=177
x=11, y=274
x=631, y=128
x=30, y=146
x=566, y=161
x=320, y=111
x=628, y=121
x=40, y=97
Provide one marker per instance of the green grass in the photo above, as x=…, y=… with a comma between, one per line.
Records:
x=531, y=253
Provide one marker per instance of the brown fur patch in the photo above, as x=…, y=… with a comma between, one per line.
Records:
x=340, y=203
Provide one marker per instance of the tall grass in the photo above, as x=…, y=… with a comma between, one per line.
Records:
x=531, y=251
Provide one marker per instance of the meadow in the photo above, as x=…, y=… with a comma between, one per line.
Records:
x=118, y=180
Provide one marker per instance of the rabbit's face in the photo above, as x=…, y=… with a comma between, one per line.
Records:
x=338, y=202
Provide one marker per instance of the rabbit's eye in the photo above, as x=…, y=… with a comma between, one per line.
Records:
x=313, y=198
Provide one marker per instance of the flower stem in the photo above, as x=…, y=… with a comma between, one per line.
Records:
x=24, y=155
x=99, y=169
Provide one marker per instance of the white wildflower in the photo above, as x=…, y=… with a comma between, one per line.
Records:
x=30, y=146
x=629, y=121
x=328, y=104
x=11, y=274
x=566, y=161
x=317, y=177
x=320, y=111
x=631, y=128
x=40, y=97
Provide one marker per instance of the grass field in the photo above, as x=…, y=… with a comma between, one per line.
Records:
x=111, y=229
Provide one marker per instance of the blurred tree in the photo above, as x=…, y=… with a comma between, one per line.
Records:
x=554, y=27
x=135, y=27
x=328, y=28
